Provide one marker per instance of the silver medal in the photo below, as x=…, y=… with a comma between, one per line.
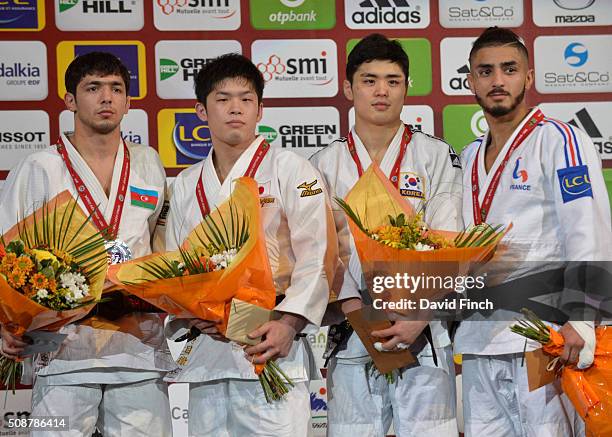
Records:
x=118, y=251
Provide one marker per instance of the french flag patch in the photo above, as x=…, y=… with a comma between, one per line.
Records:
x=143, y=198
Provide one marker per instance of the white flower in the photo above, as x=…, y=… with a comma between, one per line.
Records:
x=224, y=259
x=422, y=247
x=375, y=237
x=42, y=293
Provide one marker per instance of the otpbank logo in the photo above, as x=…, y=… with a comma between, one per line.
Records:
x=293, y=14
x=183, y=138
x=131, y=53
x=23, y=15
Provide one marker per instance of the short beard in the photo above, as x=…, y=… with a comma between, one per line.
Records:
x=500, y=111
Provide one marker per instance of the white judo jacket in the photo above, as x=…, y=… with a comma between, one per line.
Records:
x=437, y=171
x=94, y=355
x=296, y=224
x=553, y=192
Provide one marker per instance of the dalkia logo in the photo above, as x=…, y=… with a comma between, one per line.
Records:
x=386, y=12
x=313, y=70
x=18, y=69
x=96, y=6
x=584, y=120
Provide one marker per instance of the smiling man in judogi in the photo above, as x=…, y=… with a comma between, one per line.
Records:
x=225, y=397
x=101, y=374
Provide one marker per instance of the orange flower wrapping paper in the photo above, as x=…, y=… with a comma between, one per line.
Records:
x=589, y=390
x=208, y=296
x=20, y=314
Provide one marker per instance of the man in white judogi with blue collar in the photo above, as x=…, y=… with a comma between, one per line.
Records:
x=105, y=373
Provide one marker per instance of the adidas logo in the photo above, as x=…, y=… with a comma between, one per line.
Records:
x=384, y=4
x=386, y=12
x=458, y=83
x=584, y=121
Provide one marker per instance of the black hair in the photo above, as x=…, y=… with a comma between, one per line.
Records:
x=230, y=65
x=96, y=63
x=498, y=36
x=376, y=47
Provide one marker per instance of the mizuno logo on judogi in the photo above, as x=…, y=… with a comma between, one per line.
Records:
x=574, y=183
x=143, y=198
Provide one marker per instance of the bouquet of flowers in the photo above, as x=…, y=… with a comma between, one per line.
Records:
x=52, y=269
x=222, y=260
x=392, y=239
x=589, y=390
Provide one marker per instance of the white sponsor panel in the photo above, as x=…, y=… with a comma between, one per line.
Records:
x=556, y=13
x=318, y=407
x=134, y=126
x=178, y=395
x=99, y=14
x=481, y=13
x=592, y=117
x=297, y=67
x=177, y=63
x=23, y=70
x=302, y=130
x=418, y=117
x=22, y=133
x=15, y=406
x=386, y=14
x=455, y=65
x=573, y=64
x=196, y=14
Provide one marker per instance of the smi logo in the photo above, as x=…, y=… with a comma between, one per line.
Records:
x=309, y=68
x=170, y=6
x=576, y=54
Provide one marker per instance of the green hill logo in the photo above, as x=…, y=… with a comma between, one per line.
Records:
x=268, y=133
x=167, y=68
x=64, y=5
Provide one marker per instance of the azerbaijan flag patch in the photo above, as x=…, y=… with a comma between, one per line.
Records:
x=143, y=198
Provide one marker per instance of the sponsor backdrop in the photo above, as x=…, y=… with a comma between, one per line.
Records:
x=300, y=46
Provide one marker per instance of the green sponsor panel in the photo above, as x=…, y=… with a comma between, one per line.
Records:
x=608, y=178
x=419, y=54
x=282, y=14
x=462, y=124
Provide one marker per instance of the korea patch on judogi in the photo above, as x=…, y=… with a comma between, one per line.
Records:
x=412, y=185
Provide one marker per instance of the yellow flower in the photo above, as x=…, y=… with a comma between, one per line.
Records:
x=64, y=256
x=42, y=255
x=38, y=280
x=52, y=284
x=16, y=278
x=24, y=263
x=389, y=233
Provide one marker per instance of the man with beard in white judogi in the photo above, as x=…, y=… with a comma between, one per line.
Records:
x=108, y=374
x=553, y=192
x=225, y=396
x=427, y=172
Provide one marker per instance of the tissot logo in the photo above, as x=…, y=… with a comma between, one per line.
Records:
x=390, y=14
x=22, y=133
